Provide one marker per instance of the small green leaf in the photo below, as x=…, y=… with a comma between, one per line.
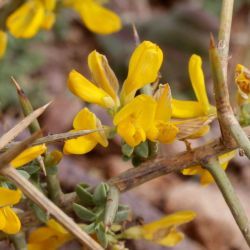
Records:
x=101, y=235
x=24, y=174
x=31, y=168
x=100, y=194
x=142, y=150
x=40, y=213
x=90, y=229
x=83, y=213
x=85, y=197
x=127, y=150
x=122, y=216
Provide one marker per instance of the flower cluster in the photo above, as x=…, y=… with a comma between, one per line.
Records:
x=33, y=15
x=137, y=118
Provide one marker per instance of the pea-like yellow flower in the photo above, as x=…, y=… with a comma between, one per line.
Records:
x=9, y=221
x=144, y=66
x=83, y=144
x=28, y=155
x=201, y=107
x=163, y=130
x=143, y=69
x=3, y=42
x=163, y=231
x=242, y=80
x=96, y=17
x=50, y=237
x=30, y=17
x=134, y=120
x=205, y=177
x=103, y=91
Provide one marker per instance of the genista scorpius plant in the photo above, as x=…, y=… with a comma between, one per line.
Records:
x=143, y=114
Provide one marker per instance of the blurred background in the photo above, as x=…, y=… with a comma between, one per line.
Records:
x=181, y=28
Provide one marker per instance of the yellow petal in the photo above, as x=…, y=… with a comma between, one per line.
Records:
x=225, y=158
x=141, y=108
x=164, y=108
x=3, y=42
x=167, y=132
x=186, y=109
x=33, y=246
x=197, y=79
x=26, y=21
x=193, y=170
x=132, y=134
x=174, y=219
x=28, y=155
x=49, y=4
x=172, y=239
x=135, y=119
x=87, y=120
x=102, y=74
x=41, y=234
x=144, y=66
x=13, y=224
x=206, y=178
x=199, y=133
x=2, y=219
x=48, y=21
x=57, y=227
x=83, y=88
x=97, y=18
x=9, y=197
x=80, y=145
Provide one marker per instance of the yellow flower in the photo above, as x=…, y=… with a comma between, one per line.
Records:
x=30, y=17
x=28, y=155
x=135, y=119
x=163, y=231
x=205, y=177
x=50, y=237
x=143, y=69
x=9, y=221
x=144, y=66
x=86, y=90
x=3, y=42
x=163, y=129
x=83, y=144
x=242, y=80
x=97, y=18
x=201, y=107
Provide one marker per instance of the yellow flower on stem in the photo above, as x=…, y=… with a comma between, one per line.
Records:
x=201, y=107
x=3, y=42
x=28, y=155
x=205, y=177
x=50, y=237
x=144, y=66
x=163, y=129
x=96, y=17
x=30, y=17
x=242, y=80
x=88, y=91
x=143, y=69
x=135, y=119
x=9, y=221
x=162, y=231
x=83, y=144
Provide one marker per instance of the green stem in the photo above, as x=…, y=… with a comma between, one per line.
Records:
x=224, y=33
x=228, y=192
x=19, y=241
